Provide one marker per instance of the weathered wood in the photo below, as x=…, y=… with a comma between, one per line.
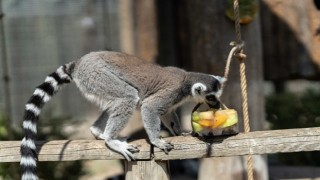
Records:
x=157, y=170
x=259, y=142
x=70, y=150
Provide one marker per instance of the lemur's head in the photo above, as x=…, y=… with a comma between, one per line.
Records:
x=208, y=90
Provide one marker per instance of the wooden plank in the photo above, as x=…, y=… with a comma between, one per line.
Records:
x=259, y=142
x=70, y=150
x=156, y=170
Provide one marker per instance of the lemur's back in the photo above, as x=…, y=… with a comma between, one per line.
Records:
x=145, y=77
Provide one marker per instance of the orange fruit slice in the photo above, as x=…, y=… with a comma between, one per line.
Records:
x=219, y=119
x=205, y=123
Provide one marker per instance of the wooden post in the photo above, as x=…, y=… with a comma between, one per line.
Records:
x=139, y=170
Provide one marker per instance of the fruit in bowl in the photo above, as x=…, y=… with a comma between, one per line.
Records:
x=213, y=119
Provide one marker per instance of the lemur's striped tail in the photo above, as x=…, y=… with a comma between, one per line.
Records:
x=41, y=95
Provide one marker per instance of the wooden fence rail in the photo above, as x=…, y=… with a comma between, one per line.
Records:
x=259, y=142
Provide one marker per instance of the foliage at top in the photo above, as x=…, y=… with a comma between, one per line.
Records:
x=289, y=110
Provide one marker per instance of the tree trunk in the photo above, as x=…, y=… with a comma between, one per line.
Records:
x=204, y=37
x=291, y=39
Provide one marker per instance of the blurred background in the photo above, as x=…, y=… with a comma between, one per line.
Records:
x=283, y=70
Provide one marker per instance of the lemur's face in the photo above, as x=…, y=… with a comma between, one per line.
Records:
x=212, y=101
x=213, y=96
x=209, y=92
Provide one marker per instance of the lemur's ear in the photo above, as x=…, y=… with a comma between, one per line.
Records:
x=220, y=79
x=198, y=89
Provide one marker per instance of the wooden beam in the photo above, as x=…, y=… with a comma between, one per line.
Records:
x=259, y=142
x=70, y=150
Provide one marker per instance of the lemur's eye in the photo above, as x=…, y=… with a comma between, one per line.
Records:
x=211, y=98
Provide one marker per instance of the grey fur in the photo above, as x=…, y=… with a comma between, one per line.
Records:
x=119, y=84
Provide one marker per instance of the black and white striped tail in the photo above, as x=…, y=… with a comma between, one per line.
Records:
x=41, y=95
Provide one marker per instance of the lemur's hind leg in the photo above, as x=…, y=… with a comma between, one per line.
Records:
x=119, y=115
x=99, y=125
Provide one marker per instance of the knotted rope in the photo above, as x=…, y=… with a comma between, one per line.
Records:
x=237, y=51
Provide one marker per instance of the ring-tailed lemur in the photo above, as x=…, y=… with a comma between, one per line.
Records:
x=119, y=84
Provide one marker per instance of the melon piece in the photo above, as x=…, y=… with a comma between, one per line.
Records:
x=206, y=118
x=208, y=115
x=195, y=116
x=219, y=119
x=232, y=117
x=214, y=119
x=196, y=127
x=206, y=122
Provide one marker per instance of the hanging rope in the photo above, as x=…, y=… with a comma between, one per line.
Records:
x=237, y=51
x=241, y=57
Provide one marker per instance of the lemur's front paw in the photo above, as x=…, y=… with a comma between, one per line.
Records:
x=164, y=145
x=167, y=147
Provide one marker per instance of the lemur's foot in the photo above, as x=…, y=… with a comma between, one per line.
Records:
x=186, y=133
x=132, y=148
x=164, y=145
x=123, y=148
